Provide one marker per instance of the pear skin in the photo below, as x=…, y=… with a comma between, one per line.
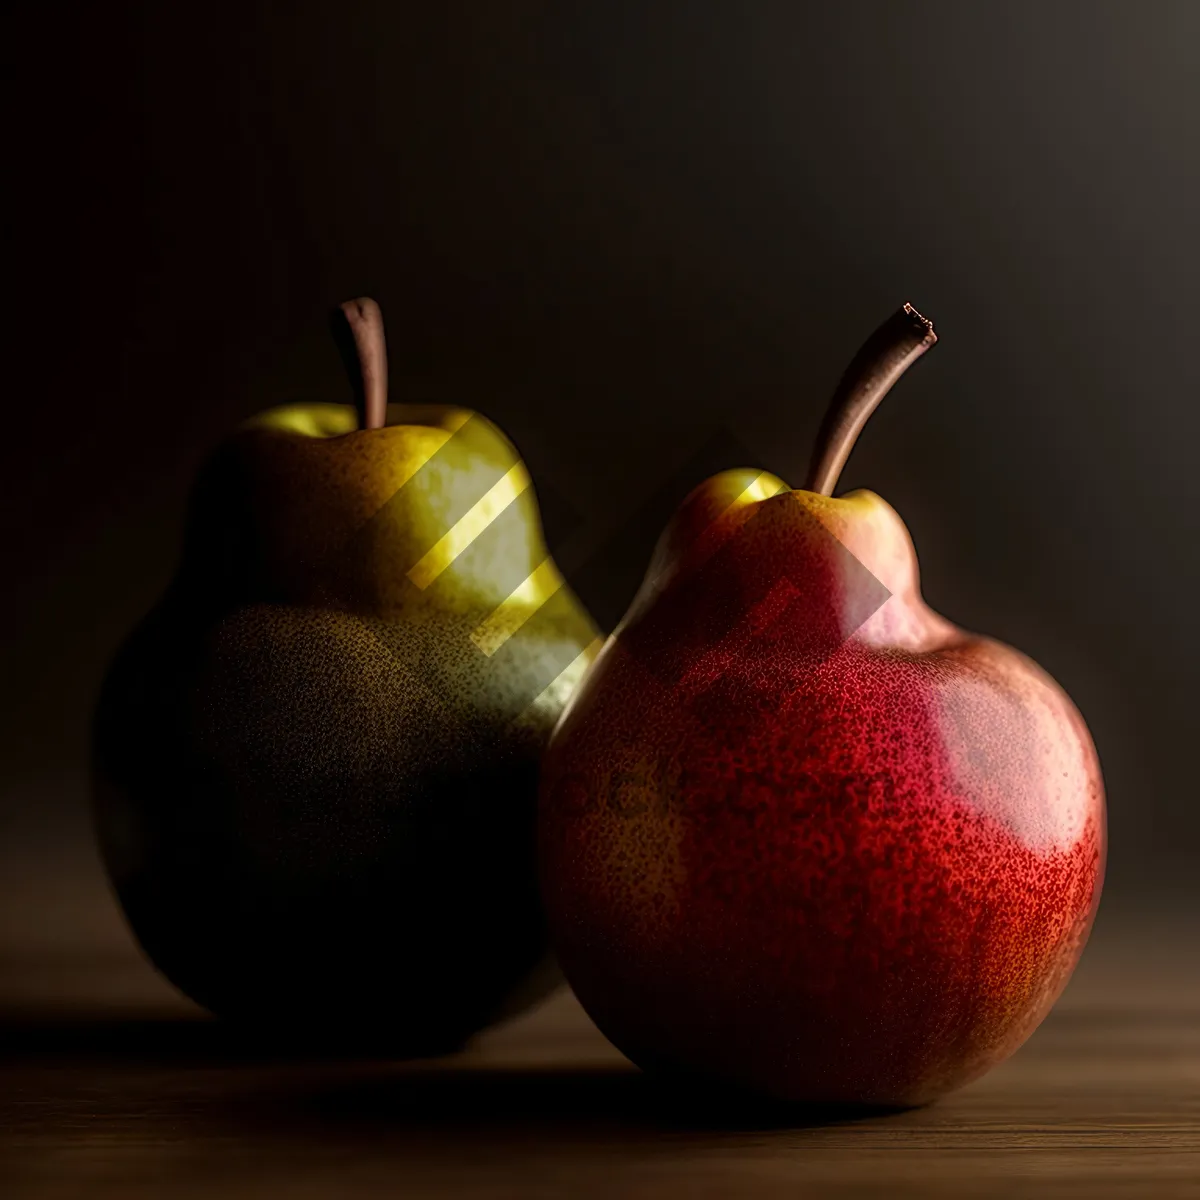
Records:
x=801, y=835
x=316, y=760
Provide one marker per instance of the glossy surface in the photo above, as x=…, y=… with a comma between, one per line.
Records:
x=316, y=760
x=801, y=834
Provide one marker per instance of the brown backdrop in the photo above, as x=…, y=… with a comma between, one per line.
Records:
x=616, y=228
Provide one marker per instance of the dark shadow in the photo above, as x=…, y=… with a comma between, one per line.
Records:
x=181, y=1042
x=602, y=1098
x=289, y=1090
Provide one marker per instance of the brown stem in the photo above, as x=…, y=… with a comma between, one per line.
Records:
x=883, y=358
x=358, y=330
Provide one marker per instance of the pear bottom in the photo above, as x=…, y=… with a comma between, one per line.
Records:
x=323, y=825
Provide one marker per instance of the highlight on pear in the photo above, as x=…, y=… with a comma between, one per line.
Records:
x=316, y=759
x=799, y=834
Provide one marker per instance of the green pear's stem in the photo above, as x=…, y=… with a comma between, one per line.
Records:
x=884, y=357
x=365, y=354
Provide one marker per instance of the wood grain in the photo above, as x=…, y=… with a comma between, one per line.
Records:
x=113, y=1086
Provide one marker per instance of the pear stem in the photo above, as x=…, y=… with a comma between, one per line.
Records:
x=882, y=359
x=358, y=330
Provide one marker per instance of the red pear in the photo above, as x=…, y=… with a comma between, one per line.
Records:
x=800, y=834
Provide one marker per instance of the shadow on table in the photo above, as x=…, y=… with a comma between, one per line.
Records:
x=170, y=1041
x=617, y=1097
x=276, y=1090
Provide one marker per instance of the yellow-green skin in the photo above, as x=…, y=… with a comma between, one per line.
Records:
x=315, y=790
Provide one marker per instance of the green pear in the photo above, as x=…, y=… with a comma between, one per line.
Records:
x=316, y=760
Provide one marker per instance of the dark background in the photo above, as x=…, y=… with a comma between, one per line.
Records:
x=616, y=228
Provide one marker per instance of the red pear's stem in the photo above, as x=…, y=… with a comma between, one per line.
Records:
x=366, y=360
x=883, y=358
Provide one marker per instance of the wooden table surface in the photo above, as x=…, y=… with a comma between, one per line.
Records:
x=112, y=1086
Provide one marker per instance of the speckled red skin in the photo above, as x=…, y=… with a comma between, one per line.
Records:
x=825, y=860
